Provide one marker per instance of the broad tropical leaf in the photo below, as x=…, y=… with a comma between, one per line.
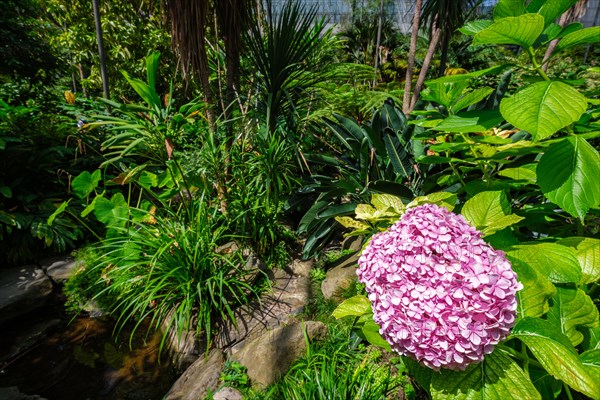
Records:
x=354, y=306
x=555, y=261
x=497, y=377
x=587, y=251
x=522, y=30
x=537, y=290
x=556, y=354
x=543, y=108
x=568, y=175
x=509, y=8
x=572, y=308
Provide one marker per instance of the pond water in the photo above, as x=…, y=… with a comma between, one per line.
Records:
x=79, y=359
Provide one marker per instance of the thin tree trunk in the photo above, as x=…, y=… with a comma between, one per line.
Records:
x=377, y=51
x=101, y=49
x=444, y=56
x=562, y=22
x=434, y=41
x=82, y=79
x=411, y=57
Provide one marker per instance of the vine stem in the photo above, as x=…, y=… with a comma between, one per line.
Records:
x=536, y=65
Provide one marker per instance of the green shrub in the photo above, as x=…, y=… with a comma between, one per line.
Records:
x=167, y=268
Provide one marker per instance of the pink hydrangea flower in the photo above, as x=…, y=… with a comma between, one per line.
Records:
x=440, y=294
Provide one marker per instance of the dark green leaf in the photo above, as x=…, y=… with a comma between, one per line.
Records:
x=568, y=175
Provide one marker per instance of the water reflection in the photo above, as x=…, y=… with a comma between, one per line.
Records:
x=81, y=360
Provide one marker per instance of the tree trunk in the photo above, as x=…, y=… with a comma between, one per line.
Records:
x=378, y=42
x=411, y=57
x=101, y=49
x=562, y=22
x=444, y=56
x=434, y=40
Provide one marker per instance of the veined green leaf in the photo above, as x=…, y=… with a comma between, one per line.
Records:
x=385, y=202
x=442, y=199
x=568, y=175
x=354, y=306
x=473, y=27
x=543, y=108
x=85, y=183
x=552, y=260
x=556, y=354
x=550, y=10
x=470, y=121
x=113, y=212
x=509, y=8
x=489, y=212
x=532, y=300
x=591, y=359
x=497, y=377
x=520, y=174
x=587, y=251
x=470, y=98
x=572, y=308
x=584, y=36
x=522, y=30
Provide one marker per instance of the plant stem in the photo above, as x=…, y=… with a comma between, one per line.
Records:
x=568, y=391
x=523, y=357
x=536, y=65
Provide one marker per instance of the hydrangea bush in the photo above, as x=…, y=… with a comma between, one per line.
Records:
x=440, y=294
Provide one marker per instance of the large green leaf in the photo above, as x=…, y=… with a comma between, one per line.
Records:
x=470, y=98
x=571, y=308
x=470, y=121
x=552, y=260
x=522, y=30
x=489, y=212
x=543, y=108
x=591, y=359
x=113, y=212
x=497, y=377
x=568, y=175
x=587, y=251
x=556, y=354
x=354, y=306
x=85, y=183
x=550, y=9
x=532, y=300
x=524, y=173
x=509, y=8
x=584, y=36
x=473, y=27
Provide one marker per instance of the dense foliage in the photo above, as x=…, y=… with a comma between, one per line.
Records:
x=169, y=197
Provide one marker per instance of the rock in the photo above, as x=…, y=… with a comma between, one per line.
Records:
x=339, y=276
x=288, y=297
x=270, y=355
x=228, y=393
x=59, y=269
x=353, y=243
x=185, y=348
x=201, y=376
x=13, y=393
x=21, y=290
x=301, y=268
x=24, y=341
